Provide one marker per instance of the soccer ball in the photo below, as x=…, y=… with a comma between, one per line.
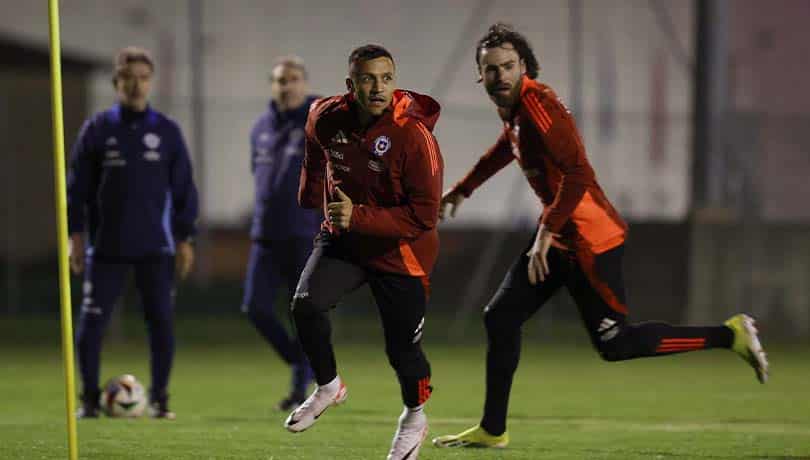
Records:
x=123, y=396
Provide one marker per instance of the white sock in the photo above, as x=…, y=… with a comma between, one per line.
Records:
x=412, y=415
x=333, y=386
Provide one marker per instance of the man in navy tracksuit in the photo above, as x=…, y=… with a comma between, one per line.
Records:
x=282, y=232
x=132, y=195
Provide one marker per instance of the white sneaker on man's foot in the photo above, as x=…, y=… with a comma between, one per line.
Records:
x=305, y=415
x=412, y=430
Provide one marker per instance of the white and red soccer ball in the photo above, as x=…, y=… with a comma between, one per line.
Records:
x=123, y=397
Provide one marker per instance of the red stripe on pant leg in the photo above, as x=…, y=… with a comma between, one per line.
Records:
x=676, y=350
x=424, y=390
x=684, y=347
x=669, y=341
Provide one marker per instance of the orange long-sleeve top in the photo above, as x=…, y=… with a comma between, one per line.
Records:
x=540, y=133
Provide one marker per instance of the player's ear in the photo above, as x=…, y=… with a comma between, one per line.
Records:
x=522, y=67
x=349, y=85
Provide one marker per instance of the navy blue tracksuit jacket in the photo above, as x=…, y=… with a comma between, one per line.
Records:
x=277, y=152
x=130, y=184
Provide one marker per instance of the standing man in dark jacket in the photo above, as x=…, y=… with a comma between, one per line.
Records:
x=282, y=232
x=132, y=195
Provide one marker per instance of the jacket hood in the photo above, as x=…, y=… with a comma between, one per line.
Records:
x=412, y=105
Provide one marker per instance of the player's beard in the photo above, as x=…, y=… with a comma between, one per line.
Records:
x=504, y=100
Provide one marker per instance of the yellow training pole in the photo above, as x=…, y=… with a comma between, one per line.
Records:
x=61, y=225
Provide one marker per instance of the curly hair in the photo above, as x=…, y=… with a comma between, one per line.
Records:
x=500, y=33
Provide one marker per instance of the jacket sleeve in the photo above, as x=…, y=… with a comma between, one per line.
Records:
x=82, y=177
x=313, y=170
x=185, y=204
x=558, y=130
x=498, y=156
x=422, y=185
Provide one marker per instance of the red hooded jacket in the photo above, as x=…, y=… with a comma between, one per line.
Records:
x=392, y=171
x=542, y=136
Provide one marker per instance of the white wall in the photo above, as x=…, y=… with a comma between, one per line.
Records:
x=243, y=37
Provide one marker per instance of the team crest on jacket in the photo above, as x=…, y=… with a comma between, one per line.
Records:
x=151, y=140
x=381, y=145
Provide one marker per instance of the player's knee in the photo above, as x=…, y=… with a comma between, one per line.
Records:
x=161, y=321
x=257, y=316
x=303, y=306
x=92, y=320
x=500, y=325
x=610, y=354
x=495, y=320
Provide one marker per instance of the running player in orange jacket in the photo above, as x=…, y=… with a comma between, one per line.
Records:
x=578, y=244
x=374, y=167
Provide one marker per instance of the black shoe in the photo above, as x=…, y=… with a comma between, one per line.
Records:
x=291, y=402
x=160, y=409
x=90, y=406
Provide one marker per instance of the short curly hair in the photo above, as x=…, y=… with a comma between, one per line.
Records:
x=500, y=33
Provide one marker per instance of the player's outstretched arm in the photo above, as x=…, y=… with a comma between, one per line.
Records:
x=495, y=159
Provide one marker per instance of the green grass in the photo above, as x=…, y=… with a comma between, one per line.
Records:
x=566, y=404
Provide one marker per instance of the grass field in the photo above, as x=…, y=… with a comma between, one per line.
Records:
x=566, y=404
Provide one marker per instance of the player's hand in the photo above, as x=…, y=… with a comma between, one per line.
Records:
x=76, y=253
x=340, y=212
x=454, y=200
x=538, y=255
x=184, y=259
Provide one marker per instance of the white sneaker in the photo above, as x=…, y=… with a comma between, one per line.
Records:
x=412, y=430
x=305, y=415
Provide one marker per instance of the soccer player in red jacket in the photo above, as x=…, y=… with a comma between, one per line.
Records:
x=578, y=244
x=374, y=167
